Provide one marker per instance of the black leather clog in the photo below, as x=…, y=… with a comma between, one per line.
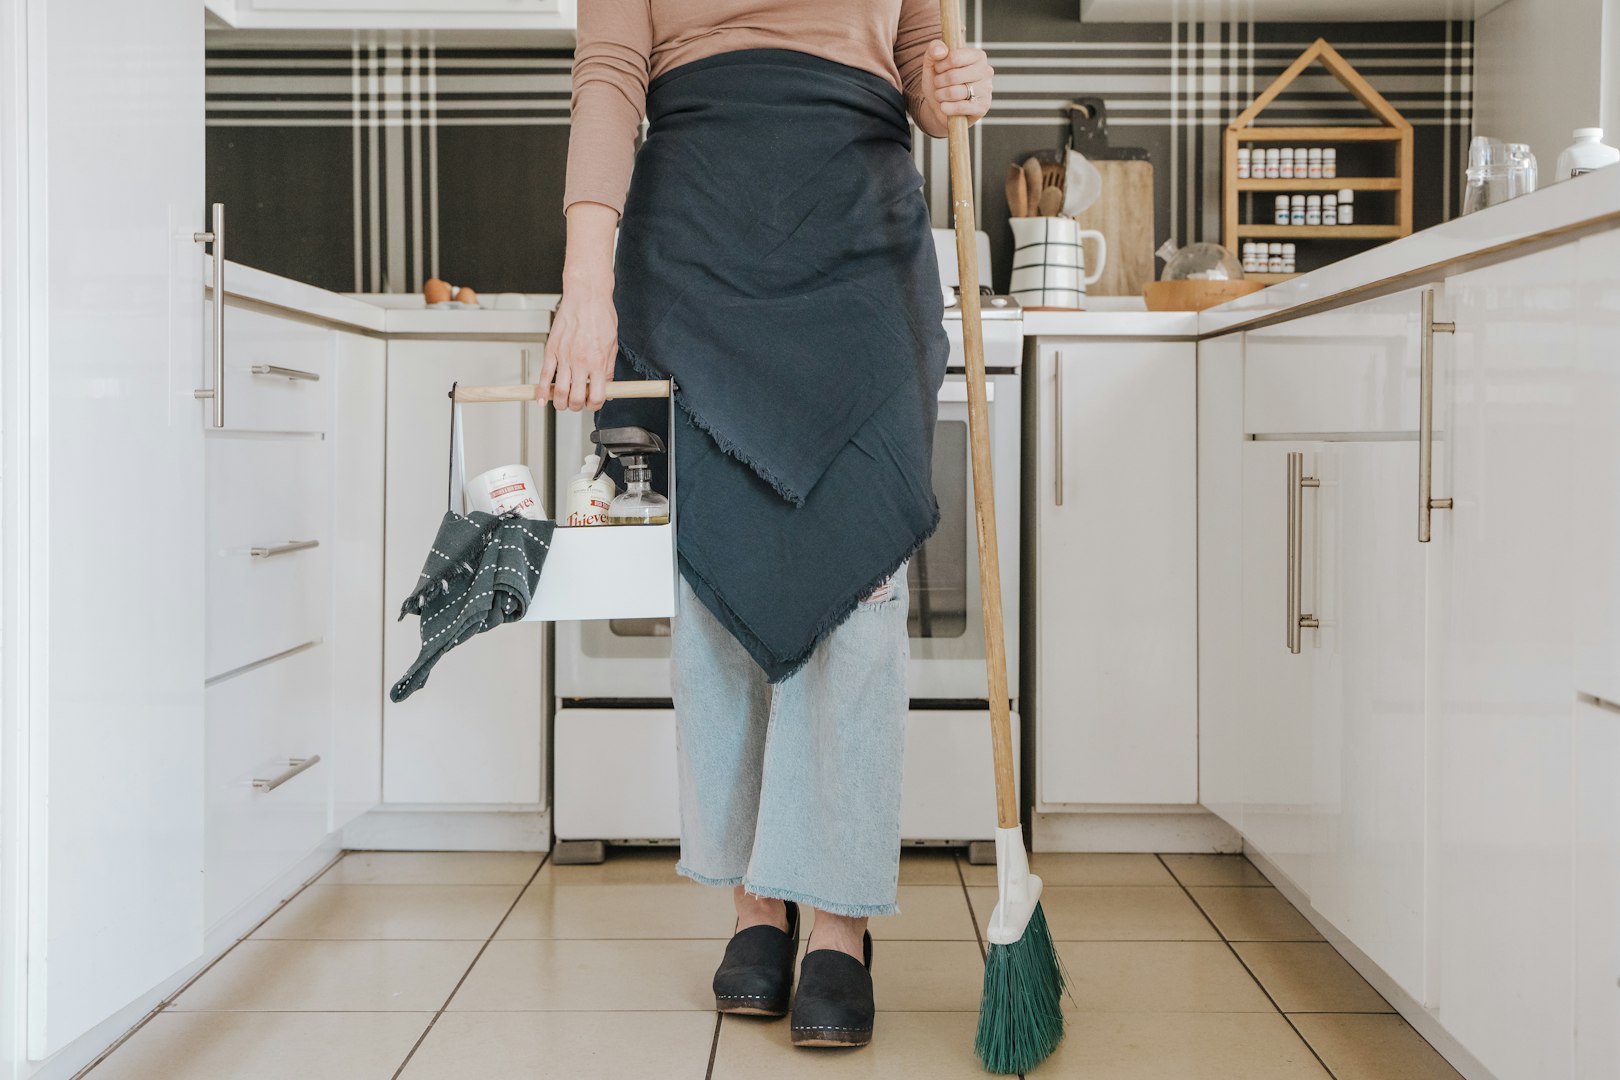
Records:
x=756, y=976
x=834, y=1004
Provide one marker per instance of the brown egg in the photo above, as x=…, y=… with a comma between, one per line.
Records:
x=465, y=295
x=436, y=291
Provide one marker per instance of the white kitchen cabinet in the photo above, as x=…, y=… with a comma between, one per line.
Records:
x=1368, y=733
x=1115, y=492
x=1597, y=889
x=359, y=609
x=1503, y=614
x=1276, y=742
x=1223, y=714
x=1595, y=471
x=101, y=132
x=474, y=735
x=555, y=16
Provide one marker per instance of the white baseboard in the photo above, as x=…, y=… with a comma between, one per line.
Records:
x=1425, y=1022
x=1177, y=830
x=413, y=829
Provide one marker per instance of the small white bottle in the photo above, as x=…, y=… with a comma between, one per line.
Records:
x=1296, y=210
x=1248, y=257
x=1330, y=209
x=1330, y=163
x=1347, y=206
x=1313, y=210
x=1274, y=260
x=1243, y=163
x=1313, y=163
x=1288, y=255
x=1272, y=165
x=1285, y=163
x=589, y=495
x=1586, y=154
x=1281, y=216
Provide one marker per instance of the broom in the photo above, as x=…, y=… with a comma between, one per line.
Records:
x=1020, y=1015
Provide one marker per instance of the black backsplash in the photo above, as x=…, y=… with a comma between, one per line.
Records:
x=373, y=168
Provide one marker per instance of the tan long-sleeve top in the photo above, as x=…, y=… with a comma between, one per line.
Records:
x=624, y=44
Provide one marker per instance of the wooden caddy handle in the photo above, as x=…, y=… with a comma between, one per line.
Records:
x=629, y=388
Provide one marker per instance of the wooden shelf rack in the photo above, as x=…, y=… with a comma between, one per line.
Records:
x=1391, y=127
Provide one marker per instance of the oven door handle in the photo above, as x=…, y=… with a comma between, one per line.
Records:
x=955, y=390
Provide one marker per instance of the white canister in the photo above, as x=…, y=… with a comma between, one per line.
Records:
x=1049, y=261
x=1271, y=163
x=505, y=490
x=1330, y=163
x=1347, y=206
x=1243, y=163
x=1285, y=162
x=1296, y=211
x=1313, y=163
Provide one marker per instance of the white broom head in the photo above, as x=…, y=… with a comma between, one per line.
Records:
x=1019, y=890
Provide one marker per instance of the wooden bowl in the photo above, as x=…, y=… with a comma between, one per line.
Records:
x=1195, y=295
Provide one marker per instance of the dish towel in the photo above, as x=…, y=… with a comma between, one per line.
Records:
x=481, y=573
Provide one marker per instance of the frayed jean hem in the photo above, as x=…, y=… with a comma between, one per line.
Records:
x=851, y=911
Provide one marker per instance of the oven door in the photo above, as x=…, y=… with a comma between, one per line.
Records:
x=628, y=659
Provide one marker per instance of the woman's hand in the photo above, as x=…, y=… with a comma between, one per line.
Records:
x=584, y=339
x=956, y=82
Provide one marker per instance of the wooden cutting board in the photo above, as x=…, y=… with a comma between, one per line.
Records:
x=1123, y=214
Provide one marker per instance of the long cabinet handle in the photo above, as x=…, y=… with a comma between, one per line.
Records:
x=1057, y=427
x=294, y=767
x=285, y=372
x=1427, y=503
x=1297, y=483
x=216, y=236
x=283, y=549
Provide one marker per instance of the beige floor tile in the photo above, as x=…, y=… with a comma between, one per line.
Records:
x=927, y=976
x=265, y=1046
x=924, y=866
x=592, y=976
x=1181, y=1046
x=1310, y=976
x=621, y=911
x=927, y=913
x=1254, y=915
x=575, y=1045
x=921, y=1045
x=1214, y=870
x=1371, y=1047
x=332, y=976
x=1113, y=913
x=392, y=911
x=624, y=866
x=433, y=868
x=1083, y=868
x=1158, y=976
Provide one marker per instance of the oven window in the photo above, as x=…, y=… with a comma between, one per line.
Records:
x=938, y=574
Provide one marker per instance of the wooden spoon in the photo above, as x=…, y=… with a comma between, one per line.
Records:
x=1017, y=192
x=1032, y=177
x=1051, y=202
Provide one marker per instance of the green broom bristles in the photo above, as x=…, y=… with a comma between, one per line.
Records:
x=1021, y=1015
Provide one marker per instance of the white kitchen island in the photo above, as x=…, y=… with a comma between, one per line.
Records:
x=1407, y=706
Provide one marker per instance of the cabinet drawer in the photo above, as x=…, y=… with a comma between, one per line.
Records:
x=259, y=723
x=260, y=398
x=1353, y=370
x=266, y=495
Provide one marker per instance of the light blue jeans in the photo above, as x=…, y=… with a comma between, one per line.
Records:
x=793, y=790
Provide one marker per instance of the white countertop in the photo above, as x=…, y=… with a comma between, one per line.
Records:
x=1149, y=324
x=247, y=283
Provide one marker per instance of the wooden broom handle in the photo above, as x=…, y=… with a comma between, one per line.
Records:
x=984, y=498
x=627, y=388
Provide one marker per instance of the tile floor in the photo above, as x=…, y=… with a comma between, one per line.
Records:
x=487, y=966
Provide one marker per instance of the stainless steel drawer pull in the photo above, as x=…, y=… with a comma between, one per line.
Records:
x=294, y=767
x=1057, y=428
x=1297, y=483
x=283, y=549
x=285, y=372
x=1426, y=500
x=216, y=237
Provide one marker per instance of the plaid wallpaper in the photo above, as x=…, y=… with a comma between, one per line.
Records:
x=378, y=165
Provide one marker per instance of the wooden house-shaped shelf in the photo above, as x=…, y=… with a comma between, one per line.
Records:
x=1392, y=128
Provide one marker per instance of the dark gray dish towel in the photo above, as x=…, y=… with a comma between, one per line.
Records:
x=775, y=258
x=481, y=573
